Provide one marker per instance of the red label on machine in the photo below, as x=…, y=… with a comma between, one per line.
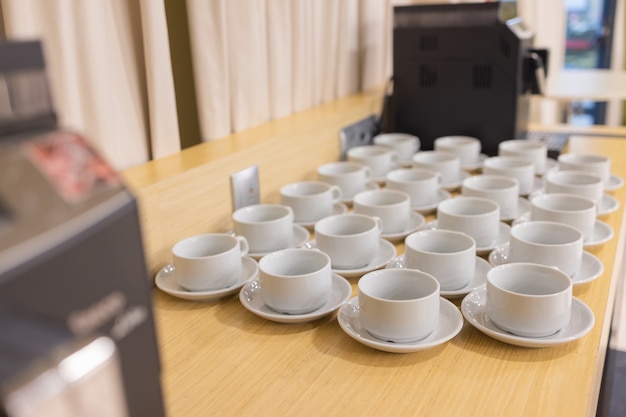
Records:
x=74, y=168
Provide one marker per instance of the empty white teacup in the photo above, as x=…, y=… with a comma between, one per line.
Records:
x=474, y=216
x=380, y=159
x=351, y=240
x=422, y=185
x=514, y=167
x=466, y=147
x=208, y=262
x=404, y=144
x=535, y=152
x=399, y=305
x=267, y=227
x=502, y=190
x=350, y=177
x=593, y=164
x=446, y=163
x=392, y=207
x=295, y=281
x=528, y=300
x=575, y=182
x=574, y=210
x=447, y=255
x=547, y=243
x=310, y=200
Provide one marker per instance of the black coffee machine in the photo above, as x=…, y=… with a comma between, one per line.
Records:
x=77, y=334
x=462, y=69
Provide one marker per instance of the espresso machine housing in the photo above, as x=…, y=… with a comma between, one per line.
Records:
x=77, y=334
x=462, y=69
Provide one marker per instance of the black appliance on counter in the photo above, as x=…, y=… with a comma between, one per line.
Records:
x=77, y=335
x=462, y=69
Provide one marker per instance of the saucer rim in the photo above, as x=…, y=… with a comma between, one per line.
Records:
x=452, y=294
x=442, y=195
x=447, y=307
x=575, y=281
x=531, y=342
x=401, y=235
x=295, y=244
x=338, y=208
x=339, y=284
x=618, y=182
x=161, y=283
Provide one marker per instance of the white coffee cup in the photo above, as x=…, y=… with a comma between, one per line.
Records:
x=575, y=182
x=351, y=177
x=502, y=190
x=448, y=164
x=295, y=281
x=466, y=147
x=404, y=144
x=392, y=207
x=509, y=166
x=576, y=211
x=528, y=300
x=547, y=243
x=380, y=159
x=310, y=200
x=399, y=305
x=267, y=227
x=535, y=152
x=593, y=164
x=447, y=255
x=351, y=240
x=208, y=262
x=422, y=185
x=474, y=216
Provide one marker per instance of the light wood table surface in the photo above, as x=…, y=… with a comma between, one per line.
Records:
x=220, y=359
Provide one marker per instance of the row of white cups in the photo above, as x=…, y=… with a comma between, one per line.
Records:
x=520, y=294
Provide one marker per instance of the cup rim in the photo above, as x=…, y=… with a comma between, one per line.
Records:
x=472, y=181
x=270, y=257
x=324, y=168
x=331, y=218
x=536, y=200
x=544, y=224
x=436, y=156
x=552, y=176
x=522, y=145
x=186, y=241
x=521, y=163
x=457, y=235
x=374, y=275
x=587, y=159
x=429, y=175
x=457, y=140
x=485, y=201
x=285, y=189
x=401, y=197
x=563, y=278
x=238, y=213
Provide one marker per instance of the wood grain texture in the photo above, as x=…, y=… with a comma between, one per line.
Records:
x=220, y=359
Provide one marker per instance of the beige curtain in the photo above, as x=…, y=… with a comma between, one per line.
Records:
x=256, y=60
x=109, y=69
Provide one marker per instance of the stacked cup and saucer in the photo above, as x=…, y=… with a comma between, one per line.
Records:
x=207, y=267
x=400, y=311
x=449, y=256
x=528, y=305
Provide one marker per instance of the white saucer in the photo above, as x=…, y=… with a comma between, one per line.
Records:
x=386, y=252
x=252, y=299
x=480, y=276
x=614, y=183
x=456, y=183
x=300, y=237
x=165, y=280
x=416, y=221
x=430, y=208
x=607, y=204
x=370, y=185
x=474, y=166
x=523, y=206
x=504, y=234
x=338, y=208
x=474, y=311
x=450, y=324
x=602, y=232
x=590, y=269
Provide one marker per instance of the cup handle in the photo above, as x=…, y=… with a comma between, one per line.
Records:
x=336, y=193
x=379, y=224
x=243, y=245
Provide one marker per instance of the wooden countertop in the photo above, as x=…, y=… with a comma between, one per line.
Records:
x=220, y=359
